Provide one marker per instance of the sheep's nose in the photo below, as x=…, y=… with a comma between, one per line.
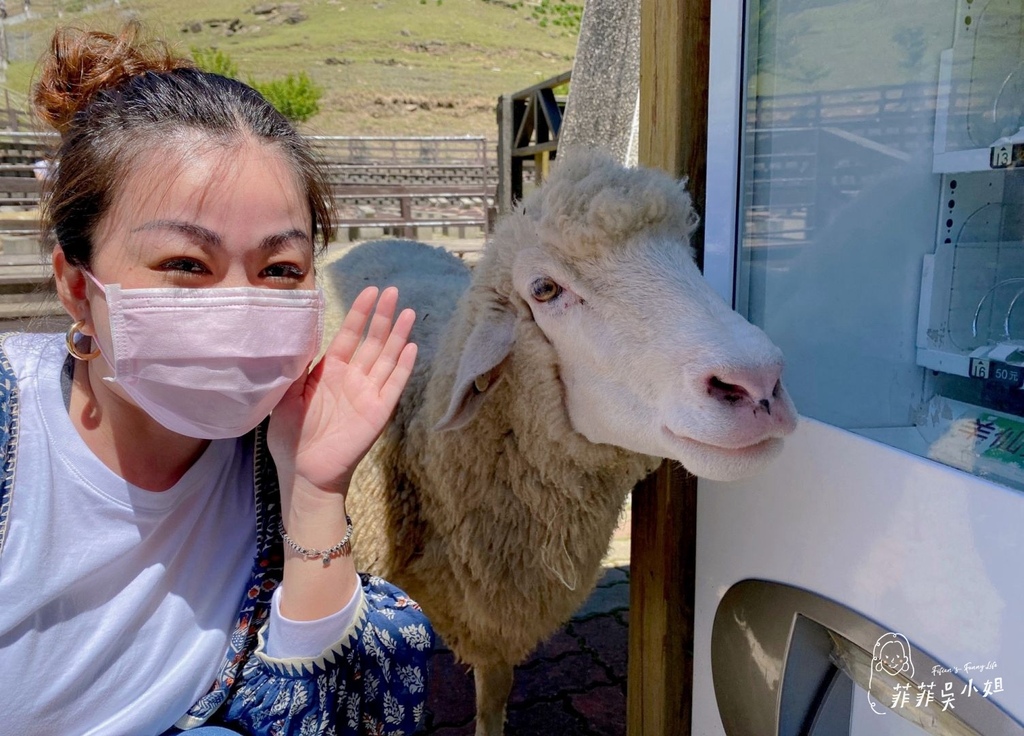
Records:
x=758, y=385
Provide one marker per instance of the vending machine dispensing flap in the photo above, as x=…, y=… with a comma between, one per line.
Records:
x=790, y=662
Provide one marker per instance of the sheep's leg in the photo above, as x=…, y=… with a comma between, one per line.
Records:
x=493, y=686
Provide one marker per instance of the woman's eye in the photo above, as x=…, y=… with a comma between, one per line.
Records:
x=544, y=289
x=185, y=266
x=284, y=271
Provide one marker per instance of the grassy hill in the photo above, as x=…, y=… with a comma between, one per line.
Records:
x=388, y=67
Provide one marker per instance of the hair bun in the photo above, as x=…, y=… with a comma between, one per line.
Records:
x=81, y=63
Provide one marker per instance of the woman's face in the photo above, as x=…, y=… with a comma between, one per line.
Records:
x=217, y=216
x=225, y=216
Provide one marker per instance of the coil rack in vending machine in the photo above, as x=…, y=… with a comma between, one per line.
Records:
x=971, y=321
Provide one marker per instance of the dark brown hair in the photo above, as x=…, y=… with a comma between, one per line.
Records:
x=113, y=98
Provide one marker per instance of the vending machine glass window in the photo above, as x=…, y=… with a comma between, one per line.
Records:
x=881, y=218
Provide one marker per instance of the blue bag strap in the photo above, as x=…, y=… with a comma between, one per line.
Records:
x=8, y=434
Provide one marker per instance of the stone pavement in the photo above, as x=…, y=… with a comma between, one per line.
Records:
x=574, y=684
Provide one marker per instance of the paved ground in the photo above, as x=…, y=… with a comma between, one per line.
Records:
x=573, y=685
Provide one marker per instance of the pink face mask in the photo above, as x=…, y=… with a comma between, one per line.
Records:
x=210, y=363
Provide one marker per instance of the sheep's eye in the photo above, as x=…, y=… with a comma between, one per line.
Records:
x=544, y=289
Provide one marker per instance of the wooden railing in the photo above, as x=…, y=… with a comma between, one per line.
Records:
x=404, y=183
x=14, y=107
x=529, y=122
x=396, y=183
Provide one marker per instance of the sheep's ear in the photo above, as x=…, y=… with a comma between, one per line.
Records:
x=480, y=370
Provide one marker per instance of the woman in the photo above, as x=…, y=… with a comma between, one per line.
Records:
x=139, y=596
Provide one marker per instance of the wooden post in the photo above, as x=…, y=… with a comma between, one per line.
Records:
x=541, y=167
x=674, y=49
x=12, y=116
x=506, y=142
x=489, y=196
x=5, y=54
x=675, y=44
x=408, y=230
x=662, y=554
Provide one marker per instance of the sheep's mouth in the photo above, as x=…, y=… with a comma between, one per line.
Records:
x=742, y=451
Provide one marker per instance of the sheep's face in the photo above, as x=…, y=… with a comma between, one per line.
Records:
x=653, y=360
x=649, y=357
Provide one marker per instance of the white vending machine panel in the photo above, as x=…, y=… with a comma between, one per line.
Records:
x=866, y=208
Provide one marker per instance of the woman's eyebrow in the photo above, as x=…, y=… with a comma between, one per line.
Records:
x=280, y=240
x=208, y=238
x=199, y=235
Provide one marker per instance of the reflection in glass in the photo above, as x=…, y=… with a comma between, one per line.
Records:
x=882, y=241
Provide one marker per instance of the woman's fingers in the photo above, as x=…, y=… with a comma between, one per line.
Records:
x=345, y=343
x=379, y=331
x=392, y=350
x=376, y=350
x=395, y=383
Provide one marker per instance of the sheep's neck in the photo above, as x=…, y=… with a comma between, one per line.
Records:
x=521, y=469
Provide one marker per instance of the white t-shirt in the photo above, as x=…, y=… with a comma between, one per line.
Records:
x=116, y=603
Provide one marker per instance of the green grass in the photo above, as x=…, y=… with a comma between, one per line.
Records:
x=826, y=45
x=414, y=67
x=387, y=67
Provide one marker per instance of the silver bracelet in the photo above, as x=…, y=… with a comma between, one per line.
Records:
x=326, y=555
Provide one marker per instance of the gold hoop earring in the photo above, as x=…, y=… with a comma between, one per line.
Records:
x=73, y=346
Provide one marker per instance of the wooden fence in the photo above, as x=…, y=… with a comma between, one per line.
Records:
x=396, y=184
x=805, y=155
x=404, y=183
x=529, y=122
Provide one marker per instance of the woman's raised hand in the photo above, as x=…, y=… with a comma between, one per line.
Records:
x=326, y=422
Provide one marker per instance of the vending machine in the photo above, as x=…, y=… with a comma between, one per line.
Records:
x=865, y=207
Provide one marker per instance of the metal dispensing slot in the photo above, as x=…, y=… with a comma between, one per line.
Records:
x=790, y=662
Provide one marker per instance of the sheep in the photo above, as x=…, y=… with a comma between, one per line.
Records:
x=583, y=348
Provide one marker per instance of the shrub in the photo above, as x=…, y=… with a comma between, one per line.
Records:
x=296, y=97
x=562, y=13
x=214, y=61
